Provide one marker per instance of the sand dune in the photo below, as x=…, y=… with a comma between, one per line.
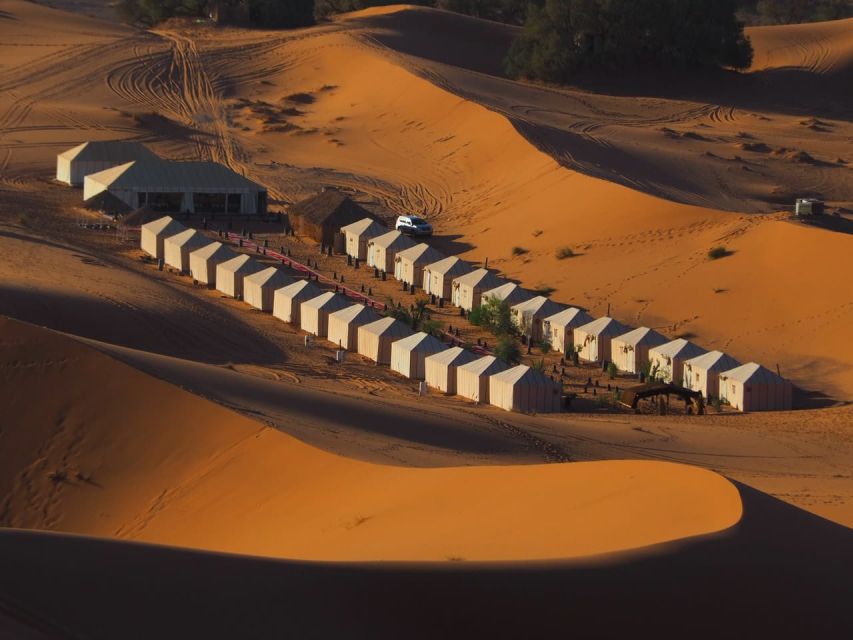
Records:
x=778, y=574
x=113, y=452
x=635, y=185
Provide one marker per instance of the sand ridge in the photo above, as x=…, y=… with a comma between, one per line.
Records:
x=113, y=452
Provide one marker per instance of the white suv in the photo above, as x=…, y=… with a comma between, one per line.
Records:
x=413, y=225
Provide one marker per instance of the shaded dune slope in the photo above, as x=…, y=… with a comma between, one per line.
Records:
x=779, y=573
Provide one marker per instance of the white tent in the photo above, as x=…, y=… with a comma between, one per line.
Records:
x=559, y=328
x=344, y=324
x=230, y=274
x=526, y=390
x=472, y=379
x=408, y=354
x=409, y=264
x=73, y=165
x=177, y=248
x=154, y=234
x=702, y=373
x=528, y=316
x=751, y=387
x=375, y=339
x=668, y=359
x=203, y=261
x=438, y=276
x=510, y=293
x=467, y=290
x=259, y=288
x=314, y=313
x=592, y=340
x=166, y=185
x=631, y=350
x=382, y=250
x=440, y=368
x=288, y=300
x=358, y=233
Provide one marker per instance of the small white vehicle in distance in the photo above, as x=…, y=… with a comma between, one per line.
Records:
x=413, y=225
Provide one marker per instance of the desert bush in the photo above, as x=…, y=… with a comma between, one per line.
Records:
x=565, y=252
x=432, y=327
x=612, y=370
x=539, y=366
x=518, y=251
x=545, y=346
x=716, y=253
x=507, y=350
x=494, y=315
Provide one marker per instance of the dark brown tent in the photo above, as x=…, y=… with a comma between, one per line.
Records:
x=322, y=216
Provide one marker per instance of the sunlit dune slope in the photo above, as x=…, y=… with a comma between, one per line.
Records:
x=824, y=47
x=96, y=447
x=416, y=119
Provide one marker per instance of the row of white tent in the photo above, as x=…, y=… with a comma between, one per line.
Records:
x=748, y=387
x=353, y=327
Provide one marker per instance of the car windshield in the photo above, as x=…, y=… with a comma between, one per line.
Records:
x=415, y=220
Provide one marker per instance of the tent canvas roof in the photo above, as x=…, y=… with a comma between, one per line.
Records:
x=567, y=316
x=522, y=374
x=486, y=364
x=752, y=372
x=446, y=265
x=240, y=263
x=454, y=355
x=329, y=298
x=537, y=304
x=327, y=204
x=363, y=226
x=503, y=291
x=295, y=288
x=420, y=253
x=600, y=325
x=713, y=360
x=479, y=278
x=679, y=347
x=640, y=335
x=212, y=250
x=265, y=276
x=390, y=238
x=187, y=235
x=169, y=174
x=420, y=341
x=108, y=151
x=387, y=326
x=353, y=312
x=158, y=226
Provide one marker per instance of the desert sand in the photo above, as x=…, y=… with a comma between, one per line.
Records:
x=365, y=103
x=155, y=430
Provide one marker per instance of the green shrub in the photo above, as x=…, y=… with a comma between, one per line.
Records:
x=508, y=351
x=545, y=346
x=565, y=252
x=612, y=370
x=477, y=316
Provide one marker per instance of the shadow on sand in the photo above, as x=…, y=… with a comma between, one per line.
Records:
x=779, y=573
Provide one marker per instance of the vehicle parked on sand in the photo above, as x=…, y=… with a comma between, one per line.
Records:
x=413, y=225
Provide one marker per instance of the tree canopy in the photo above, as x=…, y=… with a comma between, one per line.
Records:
x=561, y=37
